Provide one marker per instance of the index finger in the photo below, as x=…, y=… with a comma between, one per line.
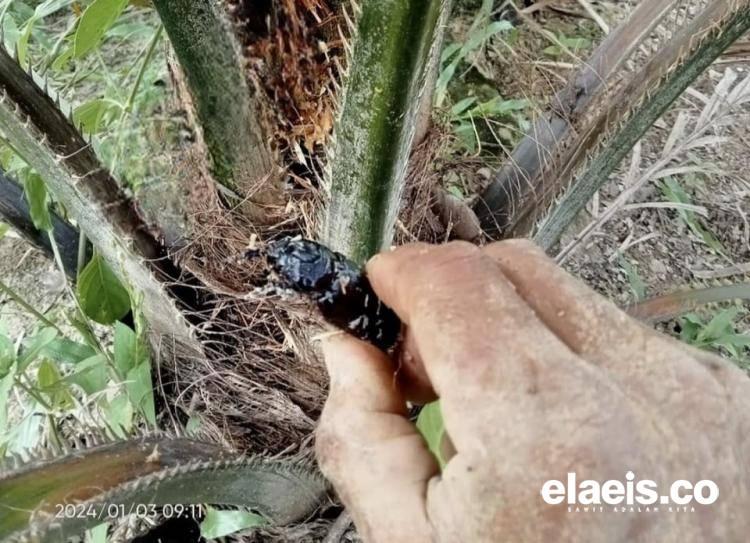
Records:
x=472, y=331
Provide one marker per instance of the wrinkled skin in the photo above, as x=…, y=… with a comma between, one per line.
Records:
x=538, y=376
x=339, y=288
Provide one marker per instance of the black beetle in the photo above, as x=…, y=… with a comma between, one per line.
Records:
x=338, y=287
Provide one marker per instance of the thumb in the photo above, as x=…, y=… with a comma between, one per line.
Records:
x=367, y=447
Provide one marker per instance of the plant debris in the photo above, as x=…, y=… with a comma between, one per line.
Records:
x=295, y=51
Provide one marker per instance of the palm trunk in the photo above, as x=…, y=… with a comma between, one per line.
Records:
x=230, y=113
x=652, y=91
x=396, y=43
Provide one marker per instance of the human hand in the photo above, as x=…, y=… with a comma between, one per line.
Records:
x=538, y=377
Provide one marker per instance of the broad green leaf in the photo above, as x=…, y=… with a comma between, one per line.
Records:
x=127, y=350
x=6, y=383
x=446, y=74
x=66, y=351
x=62, y=59
x=119, y=415
x=221, y=523
x=456, y=191
x=102, y=296
x=47, y=376
x=94, y=23
x=721, y=325
x=36, y=195
x=6, y=155
x=3, y=229
x=98, y=534
x=42, y=10
x=476, y=39
x=132, y=31
x=93, y=116
x=22, y=44
x=35, y=346
x=141, y=391
x=691, y=325
x=51, y=384
x=719, y=332
x=7, y=355
x=462, y=105
x=16, y=165
x=90, y=374
x=734, y=340
x=50, y=7
x=456, y=53
x=10, y=32
x=449, y=51
x=467, y=136
x=430, y=425
x=25, y=435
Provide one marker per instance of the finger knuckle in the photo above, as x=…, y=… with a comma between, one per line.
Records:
x=329, y=448
x=450, y=262
x=515, y=246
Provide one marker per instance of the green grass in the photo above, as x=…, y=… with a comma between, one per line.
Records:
x=66, y=372
x=719, y=332
x=116, y=88
x=675, y=192
x=479, y=116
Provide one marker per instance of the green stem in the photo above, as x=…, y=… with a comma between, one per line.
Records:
x=28, y=389
x=225, y=104
x=84, y=319
x=82, y=241
x=130, y=102
x=144, y=65
x=24, y=304
x=394, y=48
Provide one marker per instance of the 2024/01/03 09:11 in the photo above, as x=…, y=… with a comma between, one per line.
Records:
x=105, y=511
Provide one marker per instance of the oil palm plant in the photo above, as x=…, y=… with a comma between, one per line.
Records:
x=238, y=83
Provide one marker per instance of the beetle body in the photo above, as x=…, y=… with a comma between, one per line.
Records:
x=338, y=287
